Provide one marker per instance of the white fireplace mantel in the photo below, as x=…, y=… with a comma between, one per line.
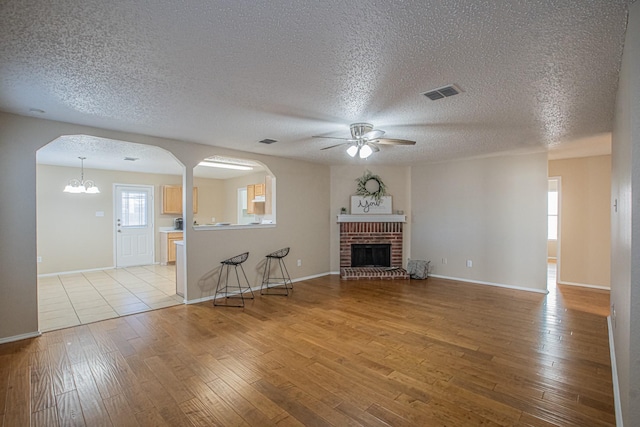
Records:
x=372, y=218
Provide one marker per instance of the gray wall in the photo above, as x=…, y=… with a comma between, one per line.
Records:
x=625, y=224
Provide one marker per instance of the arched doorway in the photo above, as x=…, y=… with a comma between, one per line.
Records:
x=78, y=242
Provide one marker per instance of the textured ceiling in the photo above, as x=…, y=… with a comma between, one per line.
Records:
x=230, y=73
x=103, y=153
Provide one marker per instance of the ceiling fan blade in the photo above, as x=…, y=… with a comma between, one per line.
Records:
x=373, y=134
x=331, y=137
x=392, y=141
x=337, y=145
x=374, y=147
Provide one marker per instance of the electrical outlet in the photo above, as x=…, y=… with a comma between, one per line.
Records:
x=213, y=219
x=39, y=259
x=444, y=260
x=299, y=263
x=469, y=263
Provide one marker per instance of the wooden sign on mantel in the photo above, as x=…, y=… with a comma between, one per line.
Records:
x=361, y=205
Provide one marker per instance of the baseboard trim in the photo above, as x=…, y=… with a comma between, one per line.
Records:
x=20, y=337
x=62, y=273
x=254, y=288
x=113, y=267
x=500, y=285
x=614, y=375
x=584, y=285
x=313, y=276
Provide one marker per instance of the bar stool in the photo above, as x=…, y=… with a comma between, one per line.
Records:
x=284, y=280
x=235, y=292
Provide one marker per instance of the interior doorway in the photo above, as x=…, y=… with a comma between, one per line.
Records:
x=87, y=270
x=553, y=231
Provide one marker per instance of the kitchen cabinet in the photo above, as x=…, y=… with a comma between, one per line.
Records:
x=253, y=191
x=172, y=200
x=168, y=247
x=251, y=194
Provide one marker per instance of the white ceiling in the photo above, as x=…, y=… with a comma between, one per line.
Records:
x=230, y=73
x=110, y=154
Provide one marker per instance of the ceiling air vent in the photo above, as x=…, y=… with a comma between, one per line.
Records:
x=131, y=159
x=442, y=92
x=267, y=141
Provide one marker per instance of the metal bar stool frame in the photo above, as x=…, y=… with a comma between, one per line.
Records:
x=285, y=280
x=234, y=262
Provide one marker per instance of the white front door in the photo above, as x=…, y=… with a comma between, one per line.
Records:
x=134, y=225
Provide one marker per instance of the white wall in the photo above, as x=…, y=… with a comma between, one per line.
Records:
x=303, y=200
x=625, y=223
x=491, y=211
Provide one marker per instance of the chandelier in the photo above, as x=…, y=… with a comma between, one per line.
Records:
x=81, y=186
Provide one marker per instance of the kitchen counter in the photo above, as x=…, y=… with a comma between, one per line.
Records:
x=169, y=230
x=231, y=226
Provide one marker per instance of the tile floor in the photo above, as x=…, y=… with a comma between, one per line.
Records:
x=75, y=299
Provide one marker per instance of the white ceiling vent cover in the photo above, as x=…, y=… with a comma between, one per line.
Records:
x=442, y=92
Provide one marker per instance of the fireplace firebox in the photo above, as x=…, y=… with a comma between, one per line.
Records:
x=371, y=255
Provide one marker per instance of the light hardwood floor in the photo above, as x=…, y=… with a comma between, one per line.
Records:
x=374, y=353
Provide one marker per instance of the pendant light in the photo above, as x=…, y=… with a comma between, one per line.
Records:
x=81, y=186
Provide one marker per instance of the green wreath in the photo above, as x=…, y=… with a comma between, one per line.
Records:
x=371, y=180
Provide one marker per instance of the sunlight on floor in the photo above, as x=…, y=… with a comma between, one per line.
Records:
x=552, y=276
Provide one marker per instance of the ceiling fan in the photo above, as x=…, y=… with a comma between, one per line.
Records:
x=365, y=139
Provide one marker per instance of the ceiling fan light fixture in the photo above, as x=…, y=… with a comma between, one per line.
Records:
x=365, y=151
x=364, y=140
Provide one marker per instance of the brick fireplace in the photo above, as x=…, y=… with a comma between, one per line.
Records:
x=369, y=232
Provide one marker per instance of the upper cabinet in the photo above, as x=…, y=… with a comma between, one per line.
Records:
x=172, y=200
x=256, y=207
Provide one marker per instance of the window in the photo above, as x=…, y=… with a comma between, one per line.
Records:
x=552, y=213
x=134, y=209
